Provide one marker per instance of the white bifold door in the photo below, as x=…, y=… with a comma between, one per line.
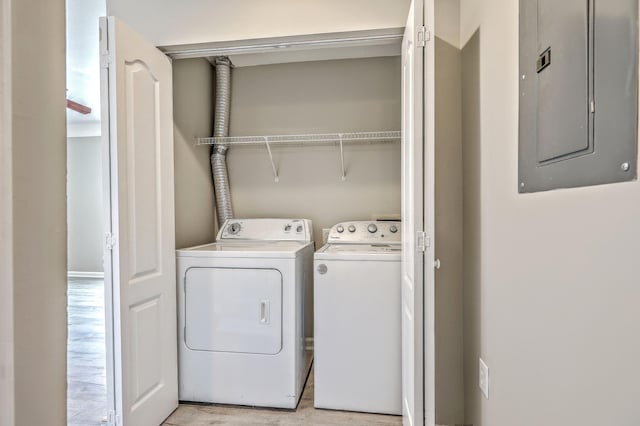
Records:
x=418, y=207
x=137, y=124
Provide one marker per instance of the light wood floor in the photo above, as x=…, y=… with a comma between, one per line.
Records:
x=200, y=415
x=86, y=378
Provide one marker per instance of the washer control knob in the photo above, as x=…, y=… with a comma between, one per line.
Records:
x=372, y=228
x=352, y=228
x=287, y=227
x=340, y=229
x=393, y=229
x=299, y=228
x=234, y=228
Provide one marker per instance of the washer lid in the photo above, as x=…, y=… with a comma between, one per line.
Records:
x=263, y=249
x=386, y=252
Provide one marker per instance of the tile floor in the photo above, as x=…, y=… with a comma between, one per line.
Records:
x=86, y=378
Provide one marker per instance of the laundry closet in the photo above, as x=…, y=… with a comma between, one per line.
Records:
x=357, y=97
x=307, y=177
x=355, y=88
x=298, y=98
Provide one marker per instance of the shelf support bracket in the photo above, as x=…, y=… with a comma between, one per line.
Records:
x=276, y=178
x=344, y=175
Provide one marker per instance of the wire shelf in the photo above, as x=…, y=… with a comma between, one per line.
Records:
x=338, y=139
x=305, y=139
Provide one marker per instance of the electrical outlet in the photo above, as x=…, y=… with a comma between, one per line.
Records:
x=483, y=378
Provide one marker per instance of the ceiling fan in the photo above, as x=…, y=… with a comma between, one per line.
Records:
x=75, y=106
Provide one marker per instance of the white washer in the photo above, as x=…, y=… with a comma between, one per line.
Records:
x=357, y=321
x=241, y=313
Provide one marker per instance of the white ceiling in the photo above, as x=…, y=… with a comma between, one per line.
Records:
x=170, y=22
x=83, y=64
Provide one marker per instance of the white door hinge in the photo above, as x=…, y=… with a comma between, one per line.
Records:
x=423, y=36
x=105, y=59
x=112, y=418
x=109, y=241
x=423, y=241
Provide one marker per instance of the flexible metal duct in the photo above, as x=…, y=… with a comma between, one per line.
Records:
x=221, y=128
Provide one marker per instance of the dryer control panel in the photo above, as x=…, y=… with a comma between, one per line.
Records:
x=267, y=230
x=366, y=232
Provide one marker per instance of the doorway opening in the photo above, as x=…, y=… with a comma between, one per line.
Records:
x=142, y=324
x=87, y=397
x=86, y=348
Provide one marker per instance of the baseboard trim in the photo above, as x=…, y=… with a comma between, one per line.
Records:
x=83, y=274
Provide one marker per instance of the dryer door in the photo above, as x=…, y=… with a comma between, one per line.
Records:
x=233, y=310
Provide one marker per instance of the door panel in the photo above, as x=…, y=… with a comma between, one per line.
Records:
x=563, y=87
x=145, y=349
x=137, y=108
x=143, y=150
x=429, y=203
x=412, y=266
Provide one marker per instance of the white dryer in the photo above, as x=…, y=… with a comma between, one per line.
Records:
x=242, y=303
x=357, y=319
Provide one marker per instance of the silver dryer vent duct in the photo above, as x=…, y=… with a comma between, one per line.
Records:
x=224, y=210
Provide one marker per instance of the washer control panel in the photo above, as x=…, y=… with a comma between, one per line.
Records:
x=367, y=232
x=267, y=230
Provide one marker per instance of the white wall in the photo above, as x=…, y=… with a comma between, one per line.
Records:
x=35, y=227
x=6, y=220
x=85, y=216
x=447, y=21
x=168, y=22
x=448, y=236
x=193, y=91
x=449, y=342
x=470, y=76
x=316, y=97
x=551, y=280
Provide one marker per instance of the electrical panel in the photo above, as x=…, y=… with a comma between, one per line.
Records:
x=578, y=93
